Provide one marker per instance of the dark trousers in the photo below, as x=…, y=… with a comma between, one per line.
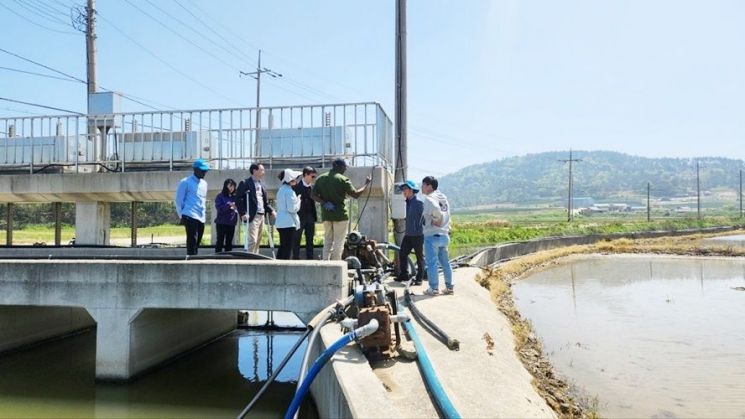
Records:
x=409, y=243
x=225, y=235
x=307, y=225
x=194, y=232
x=286, y=240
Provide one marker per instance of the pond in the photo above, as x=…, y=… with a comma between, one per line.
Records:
x=648, y=336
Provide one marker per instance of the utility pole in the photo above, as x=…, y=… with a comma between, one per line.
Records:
x=570, y=160
x=698, y=192
x=399, y=174
x=648, y=208
x=740, y=193
x=257, y=75
x=400, y=122
x=90, y=46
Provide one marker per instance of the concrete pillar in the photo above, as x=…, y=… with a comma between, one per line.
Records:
x=374, y=221
x=57, y=208
x=129, y=342
x=133, y=223
x=92, y=223
x=9, y=224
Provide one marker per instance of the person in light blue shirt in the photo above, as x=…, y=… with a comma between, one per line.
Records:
x=190, y=201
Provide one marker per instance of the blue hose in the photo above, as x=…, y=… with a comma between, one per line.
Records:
x=321, y=361
x=442, y=402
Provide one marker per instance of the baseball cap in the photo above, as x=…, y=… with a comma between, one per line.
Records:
x=201, y=164
x=290, y=175
x=411, y=185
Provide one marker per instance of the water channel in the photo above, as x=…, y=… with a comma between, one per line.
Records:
x=649, y=336
x=57, y=379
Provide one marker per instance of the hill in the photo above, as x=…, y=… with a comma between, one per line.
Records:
x=602, y=175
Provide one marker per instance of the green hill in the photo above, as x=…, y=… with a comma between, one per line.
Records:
x=602, y=175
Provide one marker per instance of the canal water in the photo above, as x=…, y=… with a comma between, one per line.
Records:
x=57, y=379
x=648, y=336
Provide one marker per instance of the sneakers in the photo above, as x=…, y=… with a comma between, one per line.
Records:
x=448, y=291
x=430, y=291
x=416, y=282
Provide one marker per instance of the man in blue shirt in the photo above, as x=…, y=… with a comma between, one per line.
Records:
x=414, y=235
x=190, y=201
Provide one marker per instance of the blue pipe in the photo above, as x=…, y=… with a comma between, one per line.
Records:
x=321, y=361
x=442, y=402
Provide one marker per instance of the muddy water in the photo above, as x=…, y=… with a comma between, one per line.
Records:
x=648, y=336
x=58, y=380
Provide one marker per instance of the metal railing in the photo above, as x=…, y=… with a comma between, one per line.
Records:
x=171, y=140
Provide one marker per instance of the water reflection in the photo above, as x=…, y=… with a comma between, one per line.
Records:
x=58, y=380
x=650, y=336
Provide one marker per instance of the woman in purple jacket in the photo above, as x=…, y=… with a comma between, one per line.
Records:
x=227, y=216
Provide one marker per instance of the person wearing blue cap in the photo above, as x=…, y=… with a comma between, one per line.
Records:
x=414, y=235
x=190, y=201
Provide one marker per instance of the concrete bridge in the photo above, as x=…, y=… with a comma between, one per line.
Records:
x=93, y=193
x=149, y=311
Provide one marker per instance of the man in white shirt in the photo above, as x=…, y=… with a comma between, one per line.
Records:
x=253, y=204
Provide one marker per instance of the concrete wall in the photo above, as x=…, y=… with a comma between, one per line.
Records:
x=160, y=334
x=346, y=387
x=511, y=250
x=23, y=325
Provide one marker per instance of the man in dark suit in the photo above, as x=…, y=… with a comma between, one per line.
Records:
x=307, y=214
x=253, y=204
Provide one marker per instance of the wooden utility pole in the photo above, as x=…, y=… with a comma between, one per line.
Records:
x=570, y=160
x=648, y=207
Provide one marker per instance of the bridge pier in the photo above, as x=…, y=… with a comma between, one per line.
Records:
x=129, y=342
x=93, y=223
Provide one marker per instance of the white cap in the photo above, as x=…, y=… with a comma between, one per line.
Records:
x=290, y=175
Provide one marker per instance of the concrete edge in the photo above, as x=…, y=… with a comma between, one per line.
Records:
x=347, y=386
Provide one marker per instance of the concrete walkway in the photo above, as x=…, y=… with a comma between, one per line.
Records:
x=479, y=383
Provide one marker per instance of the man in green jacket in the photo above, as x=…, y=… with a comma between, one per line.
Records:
x=331, y=190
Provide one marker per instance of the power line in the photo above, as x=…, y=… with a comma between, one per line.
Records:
x=72, y=78
x=238, y=37
x=39, y=105
x=41, y=13
x=154, y=55
x=18, y=70
x=35, y=23
x=182, y=36
x=41, y=3
x=248, y=59
x=41, y=65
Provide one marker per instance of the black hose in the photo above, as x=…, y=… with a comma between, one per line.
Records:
x=439, y=334
x=271, y=379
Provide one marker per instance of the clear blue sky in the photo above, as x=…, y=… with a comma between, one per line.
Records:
x=487, y=79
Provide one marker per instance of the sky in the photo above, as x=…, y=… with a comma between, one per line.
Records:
x=486, y=79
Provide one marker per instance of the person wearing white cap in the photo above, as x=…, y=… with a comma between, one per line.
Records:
x=288, y=204
x=191, y=196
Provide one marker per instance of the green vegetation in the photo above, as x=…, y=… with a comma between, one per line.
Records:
x=602, y=175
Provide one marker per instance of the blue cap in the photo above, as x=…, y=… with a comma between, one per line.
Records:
x=201, y=164
x=411, y=185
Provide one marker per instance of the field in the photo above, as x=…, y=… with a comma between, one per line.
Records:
x=470, y=229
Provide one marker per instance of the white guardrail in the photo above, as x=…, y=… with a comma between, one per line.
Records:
x=171, y=140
